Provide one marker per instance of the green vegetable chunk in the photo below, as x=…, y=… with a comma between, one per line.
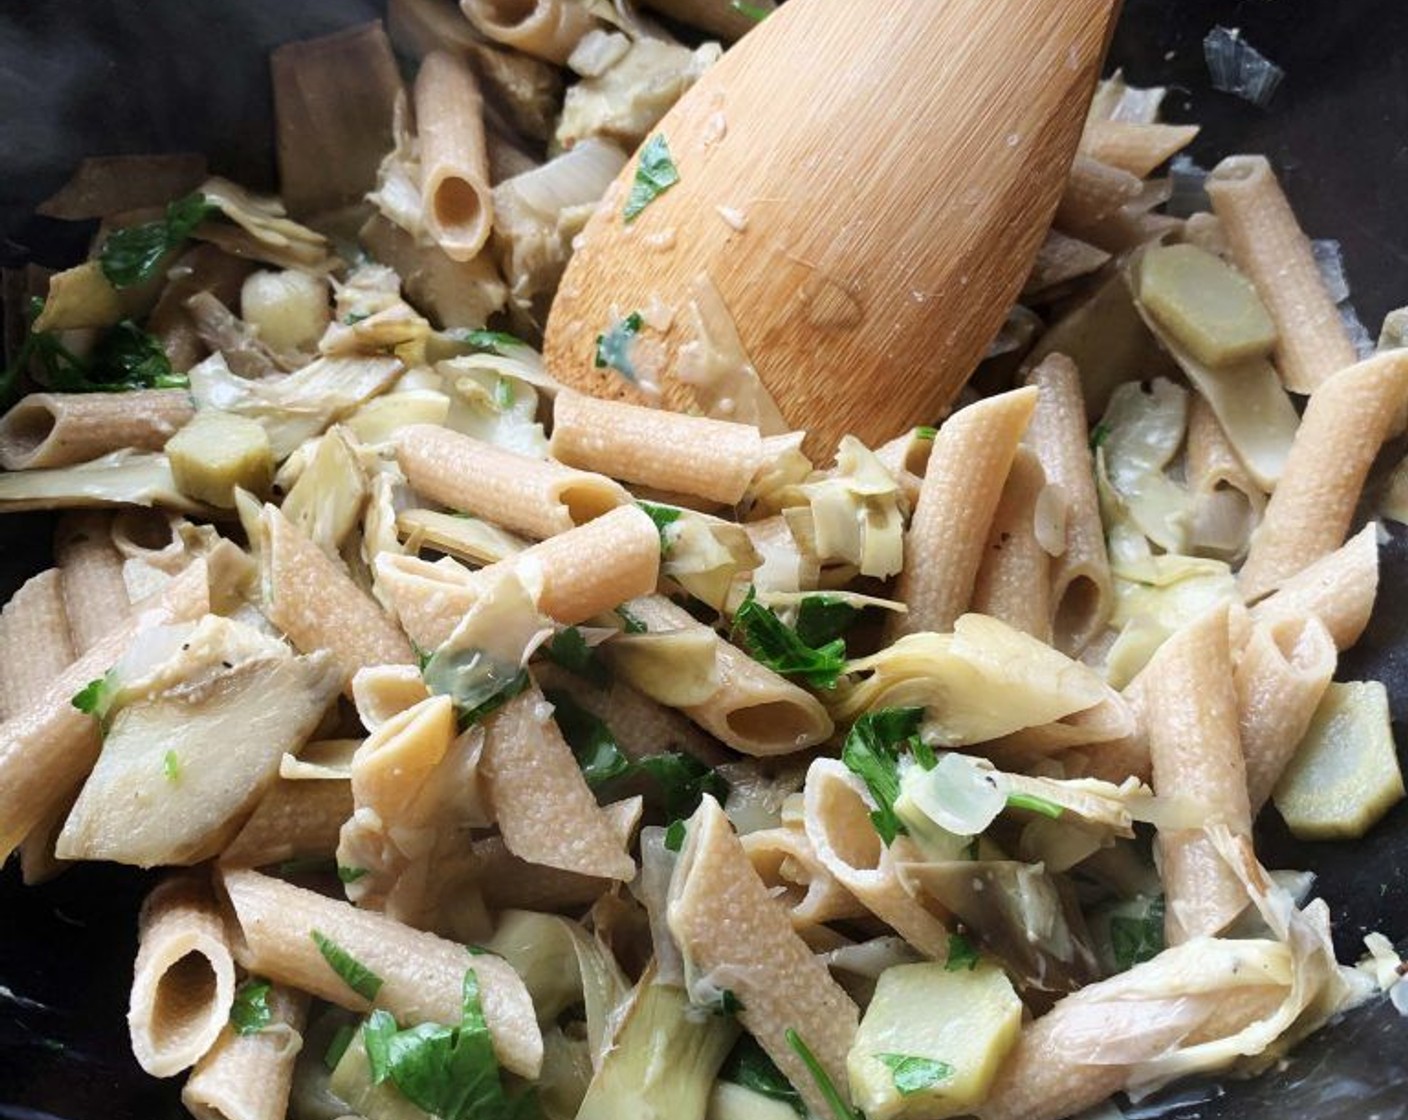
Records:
x=655, y=174
x=354, y=974
x=780, y=648
x=1205, y=304
x=250, y=1013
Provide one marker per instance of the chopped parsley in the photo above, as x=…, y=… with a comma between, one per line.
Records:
x=306, y=865
x=570, y=650
x=1136, y=940
x=962, y=955
x=1098, y=435
x=682, y=780
x=727, y=1004
x=664, y=517
x=655, y=174
x=780, y=648
x=341, y=1040
x=95, y=698
x=824, y=1084
x=350, y=874
x=914, y=1074
x=126, y=358
x=354, y=974
x=752, y=11
x=630, y=623
x=171, y=766
x=352, y=318
x=823, y=618
x=872, y=751
x=748, y=1065
x=1034, y=804
x=592, y=743
x=250, y=1012
x=675, y=836
x=499, y=341
x=130, y=256
x=926, y=432
x=448, y=1071
x=613, y=348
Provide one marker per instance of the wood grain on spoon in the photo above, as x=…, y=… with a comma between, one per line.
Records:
x=865, y=184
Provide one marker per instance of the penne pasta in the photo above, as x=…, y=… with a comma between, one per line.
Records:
x=1081, y=591
x=422, y=976
x=95, y=594
x=729, y=929
x=1281, y=674
x=294, y=820
x=692, y=455
x=962, y=487
x=184, y=980
x=788, y=866
x=1268, y=245
x=1338, y=589
x=248, y=1076
x=1228, y=503
x=60, y=429
x=1134, y=146
x=1095, y=193
x=454, y=163
x=546, y=29
x=1345, y=424
x=35, y=644
x=1014, y=580
x=1195, y=746
x=523, y=495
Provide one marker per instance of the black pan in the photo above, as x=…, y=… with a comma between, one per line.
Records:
x=87, y=77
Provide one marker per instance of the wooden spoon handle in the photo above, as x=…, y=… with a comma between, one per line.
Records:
x=863, y=186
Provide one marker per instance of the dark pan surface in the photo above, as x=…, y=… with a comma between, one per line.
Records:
x=105, y=76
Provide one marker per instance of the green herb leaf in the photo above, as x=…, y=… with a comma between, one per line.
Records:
x=824, y=1084
x=962, y=955
x=448, y=1071
x=1034, y=804
x=338, y=1046
x=1136, y=940
x=130, y=256
x=664, y=517
x=1098, y=435
x=779, y=647
x=632, y=624
x=728, y=1003
x=499, y=341
x=503, y=394
x=96, y=697
x=872, y=751
x=682, y=780
x=748, y=1065
x=914, y=1074
x=354, y=974
x=592, y=743
x=675, y=836
x=569, y=649
x=171, y=766
x=613, y=348
x=350, y=874
x=476, y=683
x=655, y=174
x=823, y=618
x=925, y=431
x=752, y=11
x=126, y=358
x=250, y=1013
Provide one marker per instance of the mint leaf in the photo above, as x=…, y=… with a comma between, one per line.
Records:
x=774, y=644
x=569, y=649
x=354, y=974
x=823, y=618
x=961, y=954
x=824, y=1084
x=250, y=1013
x=872, y=752
x=655, y=174
x=595, y=748
x=613, y=348
x=914, y=1074
x=1034, y=804
x=130, y=256
x=748, y=1065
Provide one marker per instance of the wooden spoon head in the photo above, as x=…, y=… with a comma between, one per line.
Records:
x=863, y=188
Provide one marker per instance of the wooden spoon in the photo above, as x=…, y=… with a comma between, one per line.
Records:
x=863, y=188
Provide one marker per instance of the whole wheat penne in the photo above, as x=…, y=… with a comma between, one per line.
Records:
x=35, y=644
x=427, y=599
x=546, y=29
x=1081, y=591
x=1228, y=502
x=381, y=692
x=516, y=492
x=39, y=861
x=1195, y=747
x=59, y=429
x=48, y=748
x=295, y=820
x=184, y=980
x=95, y=594
x=1338, y=589
x=248, y=1076
x=1014, y=580
x=753, y=709
x=1344, y=425
x=1268, y=245
x=841, y=833
x=963, y=482
x=1134, y=146
x=787, y=865
x=318, y=606
x=1060, y=260
x=1281, y=675
x=422, y=976
x=693, y=455
x=454, y=163
x=727, y=924
x=1095, y=192
x=530, y=776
